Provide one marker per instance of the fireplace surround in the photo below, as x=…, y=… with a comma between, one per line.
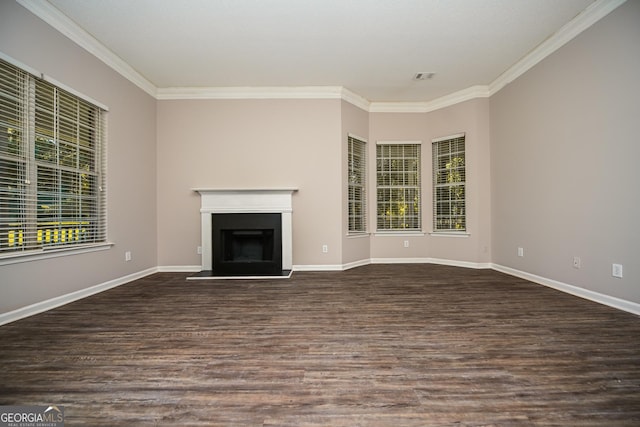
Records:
x=243, y=256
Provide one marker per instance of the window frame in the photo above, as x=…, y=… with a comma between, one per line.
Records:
x=356, y=185
x=446, y=181
x=63, y=148
x=387, y=178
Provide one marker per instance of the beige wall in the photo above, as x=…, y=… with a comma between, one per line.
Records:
x=250, y=144
x=131, y=165
x=355, y=121
x=564, y=155
x=303, y=144
x=472, y=118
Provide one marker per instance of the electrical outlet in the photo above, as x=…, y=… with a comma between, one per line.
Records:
x=325, y=249
x=616, y=270
x=127, y=256
x=520, y=251
x=406, y=243
x=577, y=262
x=199, y=250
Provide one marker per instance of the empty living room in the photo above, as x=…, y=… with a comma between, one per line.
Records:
x=319, y=213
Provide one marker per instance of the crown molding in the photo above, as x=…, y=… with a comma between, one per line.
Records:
x=472, y=92
x=320, y=92
x=264, y=92
x=592, y=14
x=355, y=99
x=251, y=92
x=52, y=16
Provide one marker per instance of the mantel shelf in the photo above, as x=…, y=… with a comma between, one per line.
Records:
x=245, y=190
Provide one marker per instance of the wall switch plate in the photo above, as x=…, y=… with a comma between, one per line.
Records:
x=616, y=270
x=325, y=249
x=127, y=256
x=520, y=251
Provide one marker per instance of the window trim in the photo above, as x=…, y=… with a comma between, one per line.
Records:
x=363, y=187
x=393, y=233
x=51, y=80
x=41, y=254
x=32, y=251
x=402, y=231
x=448, y=232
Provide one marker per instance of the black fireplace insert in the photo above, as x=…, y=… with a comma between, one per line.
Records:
x=247, y=244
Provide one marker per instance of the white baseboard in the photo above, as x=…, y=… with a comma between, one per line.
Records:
x=440, y=261
x=52, y=303
x=360, y=263
x=355, y=264
x=608, y=300
x=614, y=302
x=318, y=267
x=179, y=269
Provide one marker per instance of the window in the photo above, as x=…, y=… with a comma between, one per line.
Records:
x=52, y=167
x=357, y=158
x=398, y=186
x=449, y=210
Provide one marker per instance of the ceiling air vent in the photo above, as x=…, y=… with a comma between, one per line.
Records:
x=423, y=76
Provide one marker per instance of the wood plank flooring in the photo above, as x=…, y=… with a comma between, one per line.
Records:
x=380, y=345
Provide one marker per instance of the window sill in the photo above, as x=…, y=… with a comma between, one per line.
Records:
x=398, y=233
x=41, y=254
x=357, y=235
x=450, y=234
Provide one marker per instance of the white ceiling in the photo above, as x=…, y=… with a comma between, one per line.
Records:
x=371, y=47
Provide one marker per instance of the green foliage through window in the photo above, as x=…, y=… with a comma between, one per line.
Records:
x=449, y=184
x=398, y=187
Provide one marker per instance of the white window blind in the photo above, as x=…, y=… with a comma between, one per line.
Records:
x=398, y=187
x=357, y=159
x=449, y=184
x=52, y=166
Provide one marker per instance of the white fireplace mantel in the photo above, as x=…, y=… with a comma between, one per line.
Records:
x=260, y=200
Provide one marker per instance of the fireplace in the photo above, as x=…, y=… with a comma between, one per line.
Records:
x=257, y=242
x=247, y=244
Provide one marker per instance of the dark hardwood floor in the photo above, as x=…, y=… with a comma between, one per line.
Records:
x=381, y=345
